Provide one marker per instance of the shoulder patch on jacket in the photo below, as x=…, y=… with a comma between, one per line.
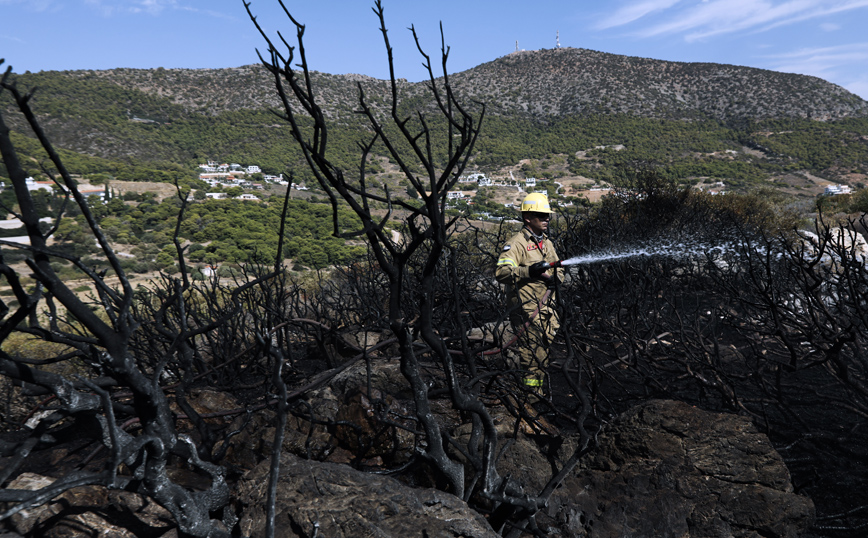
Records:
x=506, y=247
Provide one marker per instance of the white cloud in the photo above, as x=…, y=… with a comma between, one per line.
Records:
x=823, y=62
x=715, y=17
x=11, y=38
x=34, y=5
x=108, y=8
x=830, y=26
x=151, y=7
x=833, y=52
x=726, y=16
x=859, y=87
x=209, y=12
x=156, y=6
x=634, y=11
x=822, y=8
x=709, y=17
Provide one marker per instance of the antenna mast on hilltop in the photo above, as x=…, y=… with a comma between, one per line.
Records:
x=558, y=40
x=516, y=45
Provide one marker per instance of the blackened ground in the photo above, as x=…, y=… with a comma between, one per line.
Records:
x=823, y=443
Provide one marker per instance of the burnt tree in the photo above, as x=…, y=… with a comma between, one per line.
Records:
x=413, y=248
x=100, y=334
x=762, y=319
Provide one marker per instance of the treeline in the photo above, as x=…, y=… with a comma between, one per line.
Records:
x=617, y=143
x=814, y=145
x=35, y=163
x=214, y=232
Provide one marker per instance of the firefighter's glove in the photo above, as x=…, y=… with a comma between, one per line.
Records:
x=538, y=270
x=551, y=282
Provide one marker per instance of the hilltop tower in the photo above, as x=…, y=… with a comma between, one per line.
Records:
x=558, y=39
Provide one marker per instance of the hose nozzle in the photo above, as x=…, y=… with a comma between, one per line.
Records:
x=556, y=264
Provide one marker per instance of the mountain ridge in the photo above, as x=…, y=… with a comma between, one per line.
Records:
x=553, y=113
x=658, y=88
x=542, y=83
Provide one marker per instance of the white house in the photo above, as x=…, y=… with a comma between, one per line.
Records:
x=471, y=178
x=33, y=185
x=253, y=169
x=217, y=177
x=832, y=190
x=87, y=193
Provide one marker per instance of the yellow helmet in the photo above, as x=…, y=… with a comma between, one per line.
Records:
x=536, y=202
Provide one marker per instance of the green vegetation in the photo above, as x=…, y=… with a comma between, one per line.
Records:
x=215, y=231
x=854, y=203
x=111, y=127
x=97, y=169
x=815, y=145
x=680, y=149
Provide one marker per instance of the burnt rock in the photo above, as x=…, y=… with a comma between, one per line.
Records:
x=667, y=469
x=386, y=377
x=89, y=511
x=375, y=426
x=339, y=502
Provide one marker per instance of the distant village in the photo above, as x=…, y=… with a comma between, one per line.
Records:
x=235, y=175
x=481, y=180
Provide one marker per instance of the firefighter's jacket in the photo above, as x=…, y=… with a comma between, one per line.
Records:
x=518, y=254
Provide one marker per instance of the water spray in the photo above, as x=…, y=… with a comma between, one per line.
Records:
x=669, y=250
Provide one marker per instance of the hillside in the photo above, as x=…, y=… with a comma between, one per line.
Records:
x=697, y=120
x=570, y=81
x=554, y=82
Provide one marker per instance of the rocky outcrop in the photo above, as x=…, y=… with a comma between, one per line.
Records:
x=669, y=469
x=88, y=511
x=662, y=469
x=840, y=242
x=341, y=502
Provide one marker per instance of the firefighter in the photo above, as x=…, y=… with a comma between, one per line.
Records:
x=523, y=267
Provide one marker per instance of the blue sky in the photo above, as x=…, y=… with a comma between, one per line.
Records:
x=824, y=38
